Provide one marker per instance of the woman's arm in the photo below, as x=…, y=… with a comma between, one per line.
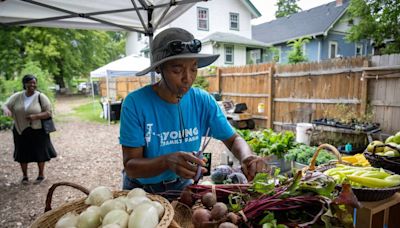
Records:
x=251, y=163
x=182, y=163
x=6, y=111
x=39, y=116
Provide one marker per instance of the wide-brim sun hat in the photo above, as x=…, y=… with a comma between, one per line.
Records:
x=166, y=43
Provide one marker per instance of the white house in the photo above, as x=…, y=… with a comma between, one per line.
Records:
x=223, y=26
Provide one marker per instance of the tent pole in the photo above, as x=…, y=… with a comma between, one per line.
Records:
x=91, y=84
x=152, y=73
x=108, y=101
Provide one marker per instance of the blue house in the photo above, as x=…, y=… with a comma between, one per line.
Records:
x=325, y=25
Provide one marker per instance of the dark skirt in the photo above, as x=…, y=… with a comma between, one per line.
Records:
x=33, y=145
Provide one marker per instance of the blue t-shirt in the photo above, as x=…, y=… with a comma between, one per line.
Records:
x=160, y=127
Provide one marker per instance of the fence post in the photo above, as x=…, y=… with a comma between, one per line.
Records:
x=270, y=97
x=218, y=79
x=364, y=90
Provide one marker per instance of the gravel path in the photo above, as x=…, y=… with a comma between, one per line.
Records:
x=88, y=154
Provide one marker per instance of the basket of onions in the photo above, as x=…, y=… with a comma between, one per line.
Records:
x=105, y=208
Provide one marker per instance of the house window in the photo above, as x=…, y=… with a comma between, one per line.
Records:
x=359, y=48
x=229, y=54
x=333, y=48
x=255, y=56
x=202, y=18
x=234, y=21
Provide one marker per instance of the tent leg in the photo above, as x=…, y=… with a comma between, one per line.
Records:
x=91, y=83
x=108, y=102
x=152, y=74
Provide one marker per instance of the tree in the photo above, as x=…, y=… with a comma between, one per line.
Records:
x=286, y=8
x=296, y=55
x=379, y=20
x=62, y=53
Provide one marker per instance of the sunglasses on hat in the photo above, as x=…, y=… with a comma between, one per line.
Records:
x=176, y=46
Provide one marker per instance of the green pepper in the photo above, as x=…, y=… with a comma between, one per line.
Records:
x=373, y=182
x=394, y=177
x=375, y=174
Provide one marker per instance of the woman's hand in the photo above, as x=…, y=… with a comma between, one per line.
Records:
x=184, y=164
x=7, y=112
x=31, y=117
x=252, y=165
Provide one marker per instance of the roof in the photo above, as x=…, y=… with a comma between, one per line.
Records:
x=254, y=12
x=312, y=22
x=232, y=39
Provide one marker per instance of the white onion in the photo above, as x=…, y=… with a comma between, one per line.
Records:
x=67, y=221
x=145, y=215
x=94, y=208
x=98, y=195
x=119, y=217
x=136, y=192
x=159, y=207
x=121, y=198
x=112, y=226
x=110, y=205
x=133, y=202
x=89, y=219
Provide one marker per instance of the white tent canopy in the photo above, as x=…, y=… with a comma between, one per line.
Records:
x=127, y=66
x=129, y=15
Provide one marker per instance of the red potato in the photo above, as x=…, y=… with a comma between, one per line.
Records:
x=227, y=225
x=200, y=216
x=218, y=211
x=208, y=200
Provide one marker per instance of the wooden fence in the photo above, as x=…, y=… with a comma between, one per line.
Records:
x=248, y=84
x=383, y=79
x=308, y=91
x=340, y=88
x=119, y=87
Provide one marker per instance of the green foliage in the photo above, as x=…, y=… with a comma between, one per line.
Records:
x=89, y=112
x=62, y=53
x=296, y=55
x=268, y=142
x=286, y=8
x=379, y=21
x=5, y=122
x=303, y=154
x=201, y=82
x=272, y=53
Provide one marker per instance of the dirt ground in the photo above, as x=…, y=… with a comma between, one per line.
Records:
x=89, y=154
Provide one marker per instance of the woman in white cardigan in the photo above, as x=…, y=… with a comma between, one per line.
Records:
x=31, y=143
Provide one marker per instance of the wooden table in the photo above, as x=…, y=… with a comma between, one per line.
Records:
x=384, y=213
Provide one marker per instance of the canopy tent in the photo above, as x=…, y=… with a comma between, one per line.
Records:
x=127, y=66
x=143, y=16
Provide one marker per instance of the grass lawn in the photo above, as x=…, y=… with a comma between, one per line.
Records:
x=89, y=112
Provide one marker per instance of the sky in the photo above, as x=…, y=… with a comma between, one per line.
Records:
x=267, y=8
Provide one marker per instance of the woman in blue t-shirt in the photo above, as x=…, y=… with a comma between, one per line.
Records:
x=162, y=124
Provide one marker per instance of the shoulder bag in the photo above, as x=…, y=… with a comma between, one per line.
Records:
x=47, y=124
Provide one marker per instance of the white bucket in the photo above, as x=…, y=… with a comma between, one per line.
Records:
x=303, y=133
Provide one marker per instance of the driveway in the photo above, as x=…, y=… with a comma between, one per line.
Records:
x=89, y=154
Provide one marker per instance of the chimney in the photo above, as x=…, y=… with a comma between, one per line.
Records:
x=339, y=2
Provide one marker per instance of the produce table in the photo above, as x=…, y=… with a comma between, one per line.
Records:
x=379, y=213
x=348, y=131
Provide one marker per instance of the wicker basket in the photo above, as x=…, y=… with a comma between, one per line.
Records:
x=363, y=194
x=50, y=217
x=389, y=163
